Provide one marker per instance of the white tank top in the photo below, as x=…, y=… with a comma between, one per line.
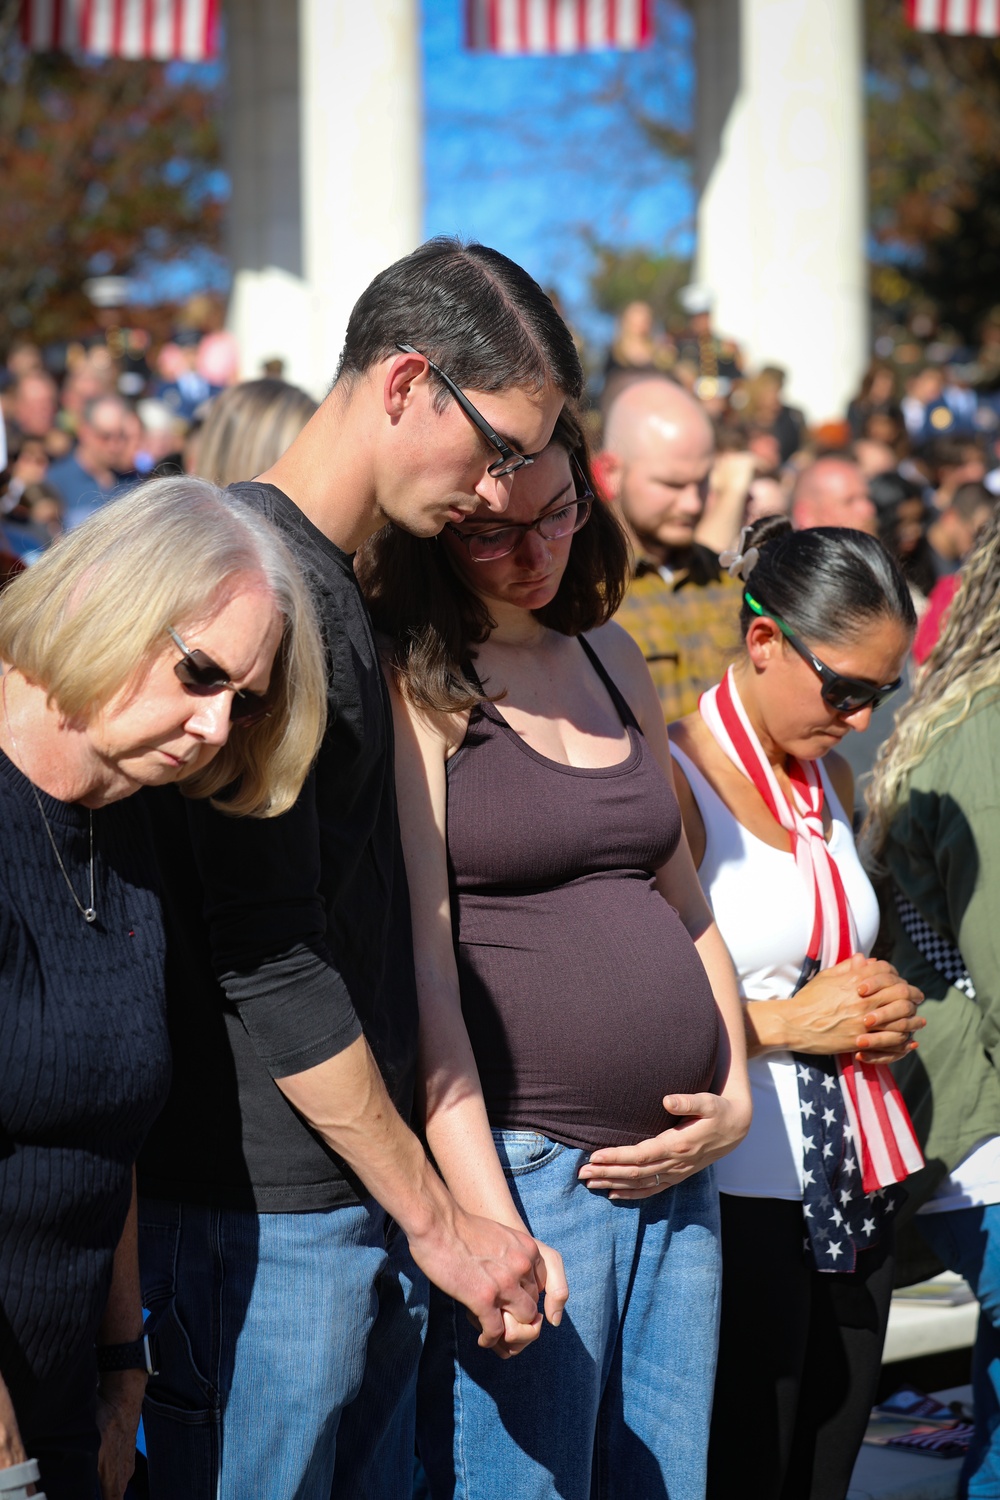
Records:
x=763, y=910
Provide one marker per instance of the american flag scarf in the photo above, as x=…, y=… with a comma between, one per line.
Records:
x=867, y=1113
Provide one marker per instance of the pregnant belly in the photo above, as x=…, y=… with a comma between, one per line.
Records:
x=585, y=1005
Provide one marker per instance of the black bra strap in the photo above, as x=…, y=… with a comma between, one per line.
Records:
x=624, y=712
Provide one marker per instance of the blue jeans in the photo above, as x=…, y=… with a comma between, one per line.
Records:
x=968, y=1241
x=288, y=1353
x=615, y=1401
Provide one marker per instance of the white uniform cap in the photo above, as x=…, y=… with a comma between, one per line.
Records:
x=695, y=299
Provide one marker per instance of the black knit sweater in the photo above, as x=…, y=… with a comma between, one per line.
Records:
x=84, y=1068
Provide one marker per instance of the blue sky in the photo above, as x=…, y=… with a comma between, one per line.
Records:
x=535, y=155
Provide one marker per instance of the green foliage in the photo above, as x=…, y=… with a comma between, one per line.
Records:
x=933, y=149
x=102, y=166
x=623, y=276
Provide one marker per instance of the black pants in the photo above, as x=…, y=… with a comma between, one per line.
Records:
x=799, y=1358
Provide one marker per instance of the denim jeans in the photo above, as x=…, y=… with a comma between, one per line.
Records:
x=616, y=1400
x=968, y=1241
x=288, y=1352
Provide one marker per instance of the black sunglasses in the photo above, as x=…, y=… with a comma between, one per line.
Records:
x=845, y=695
x=204, y=678
x=509, y=462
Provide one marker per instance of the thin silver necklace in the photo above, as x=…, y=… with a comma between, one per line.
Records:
x=88, y=913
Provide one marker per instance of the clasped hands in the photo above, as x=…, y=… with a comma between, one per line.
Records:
x=861, y=1005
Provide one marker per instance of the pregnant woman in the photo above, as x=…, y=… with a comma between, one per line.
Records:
x=806, y=1217
x=582, y=1044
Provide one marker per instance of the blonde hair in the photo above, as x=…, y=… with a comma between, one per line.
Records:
x=249, y=427
x=964, y=662
x=93, y=612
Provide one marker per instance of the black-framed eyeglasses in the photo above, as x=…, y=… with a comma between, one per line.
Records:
x=567, y=518
x=509, y=462
x=845, y=695
x=204, y=678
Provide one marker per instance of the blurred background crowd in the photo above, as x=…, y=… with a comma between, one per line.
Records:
x=914, y=459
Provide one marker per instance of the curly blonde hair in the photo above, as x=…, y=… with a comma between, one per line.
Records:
x=965, y=661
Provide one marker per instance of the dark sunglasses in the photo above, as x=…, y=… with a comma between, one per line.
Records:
x=488, y=546
x=204, y=678
x=509, y=461
x=845, y=695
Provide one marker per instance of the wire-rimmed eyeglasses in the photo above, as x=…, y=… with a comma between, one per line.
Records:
x=567, y=518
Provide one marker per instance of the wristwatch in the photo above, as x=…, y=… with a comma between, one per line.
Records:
x=139, y=1355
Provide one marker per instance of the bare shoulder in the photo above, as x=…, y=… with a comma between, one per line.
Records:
x=840, y=773
x=618, y=651
x=627, y=668
x=684, y=733
x=421, y=725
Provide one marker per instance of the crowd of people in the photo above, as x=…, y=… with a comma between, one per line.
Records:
x=437, y=957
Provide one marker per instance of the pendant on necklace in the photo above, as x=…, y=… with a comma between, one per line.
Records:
x=90, y=914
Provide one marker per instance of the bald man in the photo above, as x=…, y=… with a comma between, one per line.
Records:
x=832, y=492
x=681, y=608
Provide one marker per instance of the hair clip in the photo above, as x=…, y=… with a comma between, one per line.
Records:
x=740, y=564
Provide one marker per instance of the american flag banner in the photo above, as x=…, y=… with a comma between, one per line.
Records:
x=518, y=27
x=164, y=30
x=955, y=17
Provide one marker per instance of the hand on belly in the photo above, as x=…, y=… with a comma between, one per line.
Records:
x=709, y=1127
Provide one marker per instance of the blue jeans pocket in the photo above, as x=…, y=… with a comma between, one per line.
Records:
x=180, y=1389
x=523, y=1151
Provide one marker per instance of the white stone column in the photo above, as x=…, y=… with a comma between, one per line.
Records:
x=781, y=176
x=269, y=307
x=362, y=127
x=324, y=135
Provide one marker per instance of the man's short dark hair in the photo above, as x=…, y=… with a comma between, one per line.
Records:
x=972, y=497
x=478, y=315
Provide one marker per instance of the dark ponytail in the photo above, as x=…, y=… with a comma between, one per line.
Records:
x=827, y=582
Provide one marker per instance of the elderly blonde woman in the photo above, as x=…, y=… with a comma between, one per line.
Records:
x=934, y=829
x=168, y=639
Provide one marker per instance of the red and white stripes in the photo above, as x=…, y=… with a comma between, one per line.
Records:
x=552, y=26
x=955, y=17
x=167, y=30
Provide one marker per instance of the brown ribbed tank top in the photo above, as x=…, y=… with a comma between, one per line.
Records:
x=583, y=994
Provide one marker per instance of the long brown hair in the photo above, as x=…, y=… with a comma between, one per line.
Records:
x=433, y=620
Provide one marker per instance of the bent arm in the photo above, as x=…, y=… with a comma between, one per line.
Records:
x=711, y=1123
x=267, y=931
x=678, y=883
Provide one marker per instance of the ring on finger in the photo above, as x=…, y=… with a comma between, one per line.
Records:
x=657, y=1178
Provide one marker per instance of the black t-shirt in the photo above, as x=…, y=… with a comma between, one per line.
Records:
x=286, y=937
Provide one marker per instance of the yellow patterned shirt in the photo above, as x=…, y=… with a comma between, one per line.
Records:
x=686, y=623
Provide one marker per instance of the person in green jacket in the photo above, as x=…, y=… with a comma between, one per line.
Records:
x=934, y=831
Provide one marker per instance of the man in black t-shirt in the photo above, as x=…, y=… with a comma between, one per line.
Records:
x=288, y=1305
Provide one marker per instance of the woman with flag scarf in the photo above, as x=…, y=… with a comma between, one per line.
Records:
x=808, y=1198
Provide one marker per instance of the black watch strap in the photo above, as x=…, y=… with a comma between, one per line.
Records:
x=139, y=1355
